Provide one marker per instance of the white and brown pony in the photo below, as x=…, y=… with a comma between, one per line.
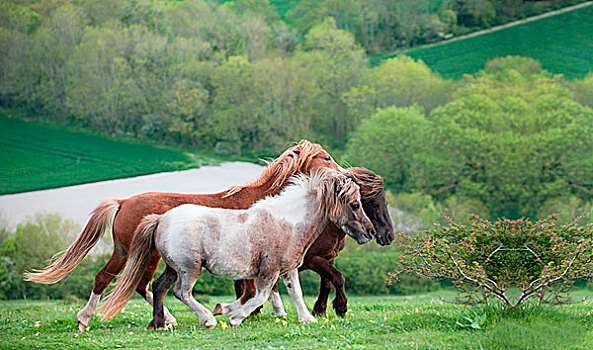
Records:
x=120, y=217
x=266, y=241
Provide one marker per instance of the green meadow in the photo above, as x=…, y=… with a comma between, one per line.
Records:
x=562, y=43
x=36, y=157
x=415, y=322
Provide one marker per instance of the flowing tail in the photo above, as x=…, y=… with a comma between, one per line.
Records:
x=138, y=259
x=100, y=222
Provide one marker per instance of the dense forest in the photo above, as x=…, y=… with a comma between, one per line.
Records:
x=239, y=78
x=381, y=26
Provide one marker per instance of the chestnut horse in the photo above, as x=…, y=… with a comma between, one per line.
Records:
x=121, y=217
x=265, y=241
x=323, y=252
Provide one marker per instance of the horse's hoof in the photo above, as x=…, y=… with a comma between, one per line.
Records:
x=81, y=326
x=341, y=307
x=341, y=312
x=308, y=320
x=280, y=313
x=235, y=322
x=319, y=310
x=153, y=325
x=211, y=325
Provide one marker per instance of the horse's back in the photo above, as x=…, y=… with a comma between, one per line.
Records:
x=215, y=236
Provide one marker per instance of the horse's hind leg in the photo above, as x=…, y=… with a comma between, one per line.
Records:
x=144, y=290
x=276, y=300
x=102, y=280
x=291, y=280
x=185, y=284
x=239, y=288
x=160, y=287
x=248, y=289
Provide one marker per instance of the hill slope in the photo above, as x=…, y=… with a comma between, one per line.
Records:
x=35, y=157
x=563, y=43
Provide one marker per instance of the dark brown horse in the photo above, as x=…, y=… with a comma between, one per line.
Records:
x=321, y=255
x=121, y=217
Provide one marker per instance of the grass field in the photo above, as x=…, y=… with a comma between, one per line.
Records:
x=35, y=157
x=562, y=43
x=421, y=322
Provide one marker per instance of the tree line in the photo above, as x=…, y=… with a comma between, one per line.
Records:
x=381, y=26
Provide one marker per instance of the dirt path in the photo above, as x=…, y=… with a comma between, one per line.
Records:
x=76, y=202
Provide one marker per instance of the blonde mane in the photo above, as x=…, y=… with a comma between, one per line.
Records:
x=334, y=193
x=290, y=163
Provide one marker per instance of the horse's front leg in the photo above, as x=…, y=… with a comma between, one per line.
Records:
x=326, y=270
x=276, y=300
x=264, y=286
x=320, y=307
x=292, y=283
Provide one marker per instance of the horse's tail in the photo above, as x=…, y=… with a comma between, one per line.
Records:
x=139, y=257
x=100, y=222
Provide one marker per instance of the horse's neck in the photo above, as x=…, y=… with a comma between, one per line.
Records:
x=294, y=206
x=299, y=210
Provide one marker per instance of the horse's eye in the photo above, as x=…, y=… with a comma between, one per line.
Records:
x=354, y=206
x=327, y=159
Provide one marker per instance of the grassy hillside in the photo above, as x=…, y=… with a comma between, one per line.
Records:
x=423, y=322
x=563, y=43
x=35, y=157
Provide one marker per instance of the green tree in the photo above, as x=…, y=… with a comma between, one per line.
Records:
x=99, y=79
x=31, y=245
x=583, y=90
x=337, y=63
x=261, y=106
x=400, y=81
x=475, y=13
x=520, y=134
x=402, y=144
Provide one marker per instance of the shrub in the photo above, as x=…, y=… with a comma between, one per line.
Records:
x=489, y=259
x=29, y=246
